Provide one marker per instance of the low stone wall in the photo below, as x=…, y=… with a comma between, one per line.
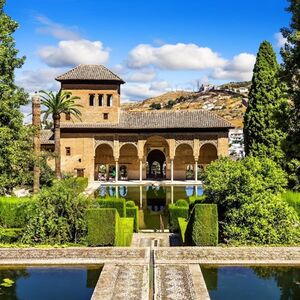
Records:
x=228, y=255
x=81, y=255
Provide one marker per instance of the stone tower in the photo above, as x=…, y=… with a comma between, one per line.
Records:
x=99, y=92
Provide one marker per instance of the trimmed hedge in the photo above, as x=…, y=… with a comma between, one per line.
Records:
x=117, y=203
x=14, y=211
x=10, y=235
x=176, y=212
x=101, y=224
x=293, y=200
x=133, y=212
x=182, y=228
x=130, y=203
x=202, y=229
x=106, y=228
x=124, y=232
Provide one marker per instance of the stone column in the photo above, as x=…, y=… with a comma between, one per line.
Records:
x=36, y=122
x=196, y=170
x=172, y=170
x=117, y=171
x=141, y=170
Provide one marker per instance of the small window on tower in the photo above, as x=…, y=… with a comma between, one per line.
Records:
x=68, y=151
x=105, y=116
x=68, y=116
x=109, y=100
x=100, y=100
x=92, y=97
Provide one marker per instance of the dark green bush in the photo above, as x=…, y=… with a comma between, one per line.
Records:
x=58, y=215
x=176, y=212
x=130, y=203
x=250, y=206
x=101, y=225
x=182, y=228
x=202, y=229
x=133, y=212
x=182, y=203
x=293, y=200
x=10, y=235
x=15, y=212
x=118, y=203
x=124, y=232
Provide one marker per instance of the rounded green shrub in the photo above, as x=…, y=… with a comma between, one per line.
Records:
x=130, y=203
x=182, y=203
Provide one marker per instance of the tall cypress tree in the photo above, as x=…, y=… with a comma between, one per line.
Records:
x=291, y=74
x=15, y=140
x=264, y=129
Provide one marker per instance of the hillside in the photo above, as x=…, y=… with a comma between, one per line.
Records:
x=224, y=102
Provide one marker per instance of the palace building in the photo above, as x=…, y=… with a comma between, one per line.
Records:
x=109, y=143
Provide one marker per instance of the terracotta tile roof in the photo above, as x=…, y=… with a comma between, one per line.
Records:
x=47, y=137
x=89, y=72
x=154, y=120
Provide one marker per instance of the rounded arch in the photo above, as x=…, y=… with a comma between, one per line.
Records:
x=156, y=160
x=184, y=162
x=128, y=162
x=188, y=145
x=208, y=153
x=104, y=161
x=100, y=143
x=124, y=144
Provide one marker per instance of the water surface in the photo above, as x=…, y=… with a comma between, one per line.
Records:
x=48, y=283
x=248, y=283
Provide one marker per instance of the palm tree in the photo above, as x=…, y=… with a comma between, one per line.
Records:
x=56, y=104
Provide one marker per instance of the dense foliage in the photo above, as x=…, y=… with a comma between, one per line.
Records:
x=264, y=126
x=58, y=215
x=248, y=194
x=15, y=152
x=178, y=210
x=291, y=74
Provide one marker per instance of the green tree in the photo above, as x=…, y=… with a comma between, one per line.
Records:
x=156, y=106
x=248, y=195
x=56, y=104
x=291, y=74
x=15, y=138
x=59, y=214
x=264, y=127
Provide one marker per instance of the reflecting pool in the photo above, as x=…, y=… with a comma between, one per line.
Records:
x=48, y=283
x=152, y=200
x=259, y=283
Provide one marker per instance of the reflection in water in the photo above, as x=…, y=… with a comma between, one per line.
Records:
x=152, y=200
x=60, y=283
x=252, y=282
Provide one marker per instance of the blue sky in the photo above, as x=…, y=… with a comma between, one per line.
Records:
x=156, y=46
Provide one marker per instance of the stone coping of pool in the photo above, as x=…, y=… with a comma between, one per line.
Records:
x=80, y=255
x=228, y=255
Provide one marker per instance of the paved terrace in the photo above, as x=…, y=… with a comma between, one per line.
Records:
x=151, y=272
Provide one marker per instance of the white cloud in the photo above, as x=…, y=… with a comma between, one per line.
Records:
x=280, y=40
x=142, y=76
x=41, y=79
x=58, y=31
x=239, y=68
x=174, y=57
x=72, y=53
x=134, y=92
